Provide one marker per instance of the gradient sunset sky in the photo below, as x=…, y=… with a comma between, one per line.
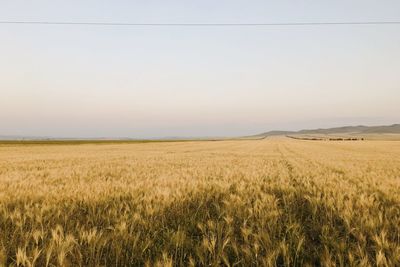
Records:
x=108, y=81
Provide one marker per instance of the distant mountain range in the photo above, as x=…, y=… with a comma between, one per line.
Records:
x=353, y=130
x=357, y=130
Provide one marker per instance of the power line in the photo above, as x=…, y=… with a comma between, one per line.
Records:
x=203, y=24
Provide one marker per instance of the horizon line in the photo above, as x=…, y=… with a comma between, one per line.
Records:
x=177, y=137
x=95, y=23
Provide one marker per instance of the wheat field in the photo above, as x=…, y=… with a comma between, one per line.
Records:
x=272, y=202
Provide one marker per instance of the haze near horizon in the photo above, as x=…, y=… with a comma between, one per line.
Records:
x=86, y=81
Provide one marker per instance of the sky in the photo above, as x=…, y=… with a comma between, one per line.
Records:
x=142, y=82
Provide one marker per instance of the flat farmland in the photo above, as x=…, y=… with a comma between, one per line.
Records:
x=270, y=202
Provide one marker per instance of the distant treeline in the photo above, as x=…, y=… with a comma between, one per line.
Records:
x=325, y=139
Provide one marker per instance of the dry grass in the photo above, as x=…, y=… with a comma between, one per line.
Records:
x=275, y=202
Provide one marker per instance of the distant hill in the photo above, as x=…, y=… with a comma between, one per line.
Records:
x=345, y=130
x=357, y=130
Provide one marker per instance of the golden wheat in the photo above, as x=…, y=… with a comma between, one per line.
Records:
x=276, y=202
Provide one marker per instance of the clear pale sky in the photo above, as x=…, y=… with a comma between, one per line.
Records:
x=89, y=81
